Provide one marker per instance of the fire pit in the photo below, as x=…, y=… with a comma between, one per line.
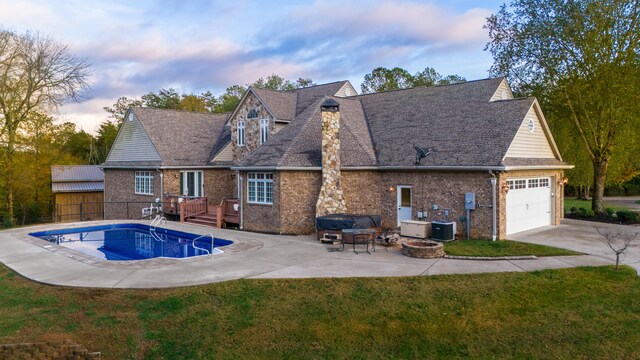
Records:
x=422, y=249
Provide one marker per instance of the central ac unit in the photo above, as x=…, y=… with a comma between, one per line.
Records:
x=443, y=231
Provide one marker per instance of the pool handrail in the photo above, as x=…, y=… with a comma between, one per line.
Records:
x=159, y=219
x=193, y=244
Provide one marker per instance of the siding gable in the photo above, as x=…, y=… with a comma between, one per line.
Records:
x=346, y=90
x=503, y=92
x=133, y=143
x=528, y=144
x=226, y=154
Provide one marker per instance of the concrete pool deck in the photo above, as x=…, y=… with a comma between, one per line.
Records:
x=251, y=256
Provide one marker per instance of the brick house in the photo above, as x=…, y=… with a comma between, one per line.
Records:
x=160, y=151
x=293, y=155
x=357, y=154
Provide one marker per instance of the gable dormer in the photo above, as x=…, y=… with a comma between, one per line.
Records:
x=503, y=92
x=252, y=123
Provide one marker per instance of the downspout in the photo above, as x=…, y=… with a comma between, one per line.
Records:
x=240, y=202
x=493, y=205
x=161, y=185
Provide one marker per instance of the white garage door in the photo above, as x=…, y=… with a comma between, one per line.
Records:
x=528, y=204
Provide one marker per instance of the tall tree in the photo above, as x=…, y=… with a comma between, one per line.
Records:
x=118, y=111
x=383, y=79
x=36, y=72
x=586, y=55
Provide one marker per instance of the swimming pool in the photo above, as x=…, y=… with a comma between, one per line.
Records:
x=132, y=242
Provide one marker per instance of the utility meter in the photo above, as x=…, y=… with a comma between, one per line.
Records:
x=470, y=201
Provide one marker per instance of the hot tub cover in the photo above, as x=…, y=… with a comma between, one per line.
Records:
x=347, y=221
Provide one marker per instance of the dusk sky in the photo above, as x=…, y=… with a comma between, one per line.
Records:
x=136, y=47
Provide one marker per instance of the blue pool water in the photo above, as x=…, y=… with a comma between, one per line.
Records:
x=131, y=242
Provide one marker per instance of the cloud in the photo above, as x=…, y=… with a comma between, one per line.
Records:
x=143, y=46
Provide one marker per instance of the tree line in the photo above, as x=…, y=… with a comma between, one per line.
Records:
x=38, y=75
x=581, y=59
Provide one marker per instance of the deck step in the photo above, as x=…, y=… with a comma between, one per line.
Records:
x=202, y=222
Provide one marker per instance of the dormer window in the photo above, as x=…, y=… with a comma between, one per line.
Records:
x=252, y=114
x=240, y=133
x=264, y=130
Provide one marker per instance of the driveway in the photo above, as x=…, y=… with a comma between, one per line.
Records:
x=583, y=236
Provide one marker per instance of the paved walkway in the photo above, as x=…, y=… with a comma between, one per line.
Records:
x=251, y=256
x=583, y=236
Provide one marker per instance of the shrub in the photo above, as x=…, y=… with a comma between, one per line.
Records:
x=574, y=209
x=610, y=212
x=588, y=213
x=627, y=215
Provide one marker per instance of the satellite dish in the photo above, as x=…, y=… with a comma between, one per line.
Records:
x=422, y=153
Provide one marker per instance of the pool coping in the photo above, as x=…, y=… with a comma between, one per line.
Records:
x=236, y=247
x=251, y=256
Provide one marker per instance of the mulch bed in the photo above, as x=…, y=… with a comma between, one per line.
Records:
x=601, y=218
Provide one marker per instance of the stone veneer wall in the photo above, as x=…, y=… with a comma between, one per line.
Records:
x=445, y=189
x=251, y=126
x=371, y=192
x=119, y=187
x=556, y=190
x=259, y=217
x=331, y=199
x=298, y=196
x=362, y=191
x=218, y=184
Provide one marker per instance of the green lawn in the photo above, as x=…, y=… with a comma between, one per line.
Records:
x=586, y=204
x=501, y=248
x=569, y=313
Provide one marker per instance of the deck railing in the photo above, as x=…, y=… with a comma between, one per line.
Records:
x=230, y=211
x=191, y=207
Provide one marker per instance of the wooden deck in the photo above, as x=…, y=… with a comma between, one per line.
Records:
x=199, y=211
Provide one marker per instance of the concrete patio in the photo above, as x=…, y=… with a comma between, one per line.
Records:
x=252, y=255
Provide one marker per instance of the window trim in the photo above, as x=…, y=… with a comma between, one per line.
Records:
x=143, y=180
x=264, y=130
x=198, y=179
x=260, y=185
x=240, y=133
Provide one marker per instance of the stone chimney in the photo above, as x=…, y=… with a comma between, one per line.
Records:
x=331, y=199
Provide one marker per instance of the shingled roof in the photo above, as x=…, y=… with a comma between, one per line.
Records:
x=458, y=121
x=181, y=138
x=286, y=105
x=299, y=144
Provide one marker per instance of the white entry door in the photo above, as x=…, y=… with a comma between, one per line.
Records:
x=404, y=203
x=528, y=204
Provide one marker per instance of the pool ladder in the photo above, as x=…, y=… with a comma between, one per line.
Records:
x=209, y=253
x=159, y=219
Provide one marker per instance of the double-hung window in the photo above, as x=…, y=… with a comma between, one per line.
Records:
x=191, y=183
x=260, y=188
x=264, y=130
x=144, y=183
x=240, y=132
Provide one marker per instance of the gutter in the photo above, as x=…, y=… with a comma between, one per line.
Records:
x=405, y=168
x=539, y=167
x=172, y=167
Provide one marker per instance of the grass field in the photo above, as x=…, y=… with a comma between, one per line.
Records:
x=501, y=248
x=586, y=204
x=570, y=313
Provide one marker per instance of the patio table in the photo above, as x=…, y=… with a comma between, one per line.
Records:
x=359, y=236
